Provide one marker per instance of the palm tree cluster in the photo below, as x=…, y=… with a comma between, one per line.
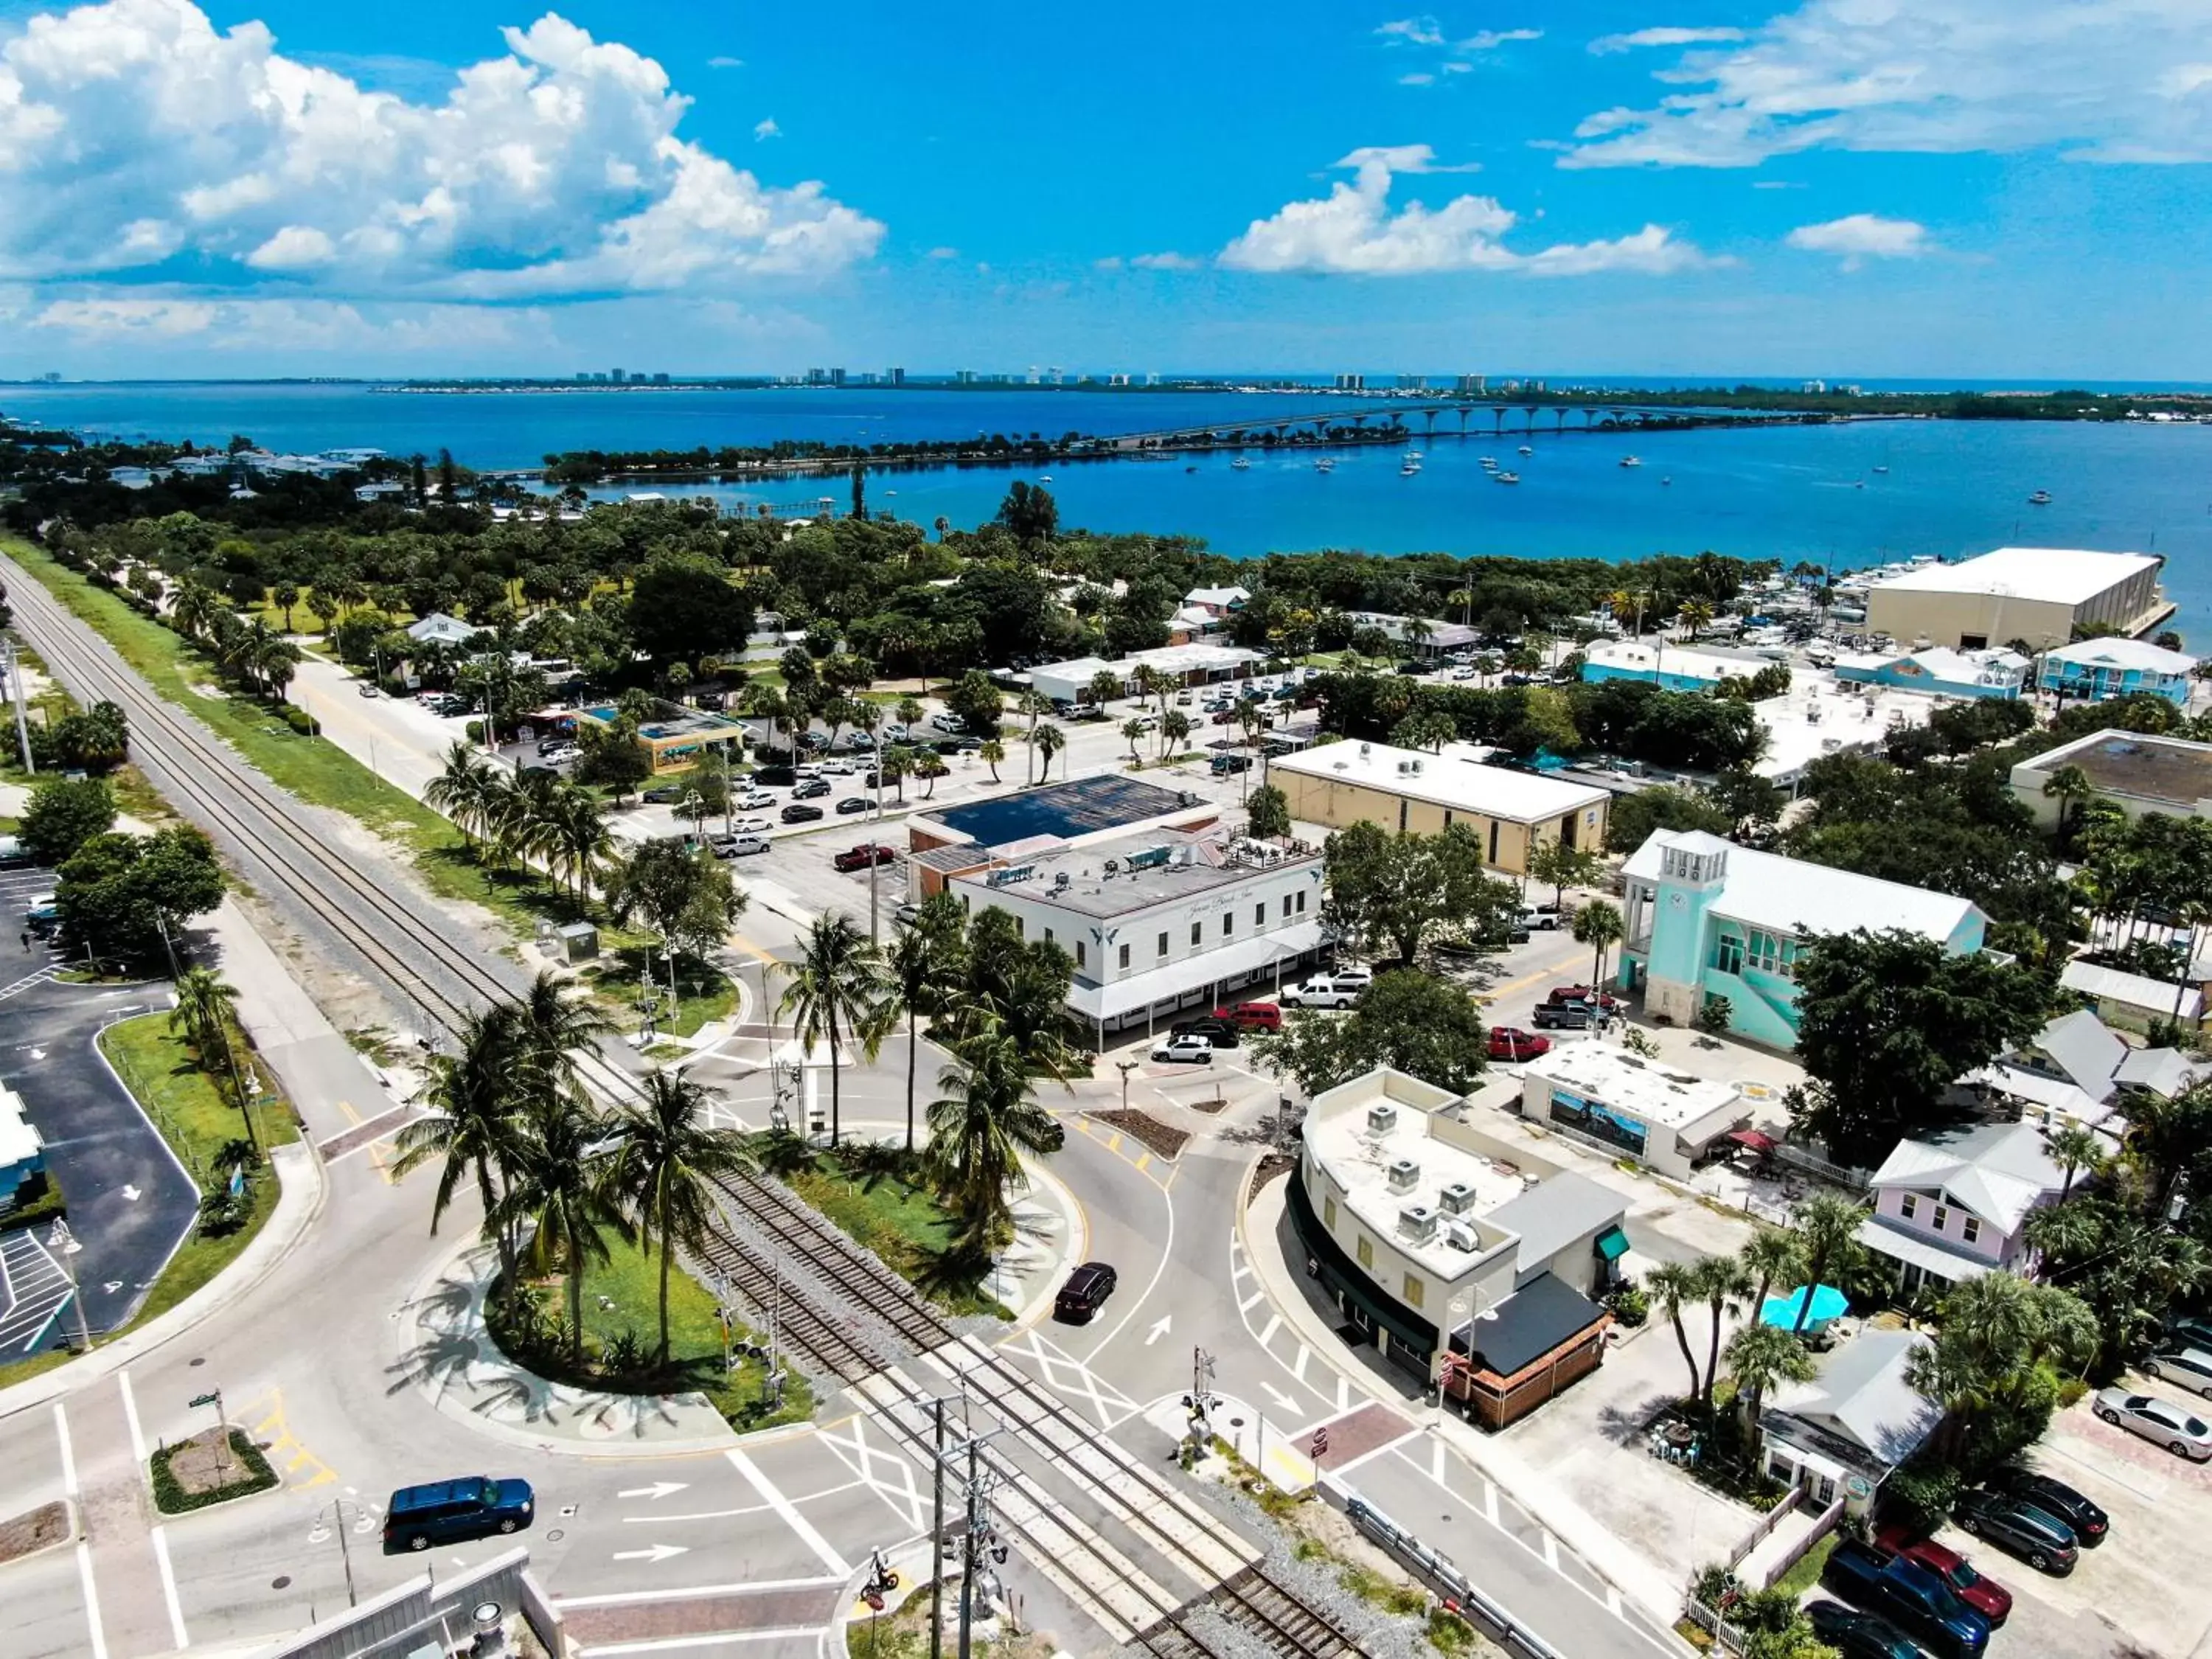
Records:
x=252, y=652
x=533, y=816
x=553, y=1174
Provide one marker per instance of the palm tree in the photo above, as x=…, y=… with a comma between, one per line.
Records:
x=1827, y=1225
x=1772, y=1256
x=979, y=1129
x=1695, y=615
x=893, y=765
x=837, y=987
x=664, y=1157
x=206, y=1006
x=1036, y=705
x=1599, y=925
x=1725, y=1281
x=1049, y=740
x=990, y=753
x=920, y=961
x=1105, y=685
x=1625, y=608
x=553, y=1023
x=1133, y=730
x=1174, y=730
x=1758, y=1357
x=2071, y=787
x=559, y=1190
x=194, y=609
x=2074, y=1148
x=1674, y=1285
x=463, y=792
x=474, y=1123
x=577, y=843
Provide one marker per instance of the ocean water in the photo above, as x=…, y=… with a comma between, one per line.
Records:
x=1848, y=495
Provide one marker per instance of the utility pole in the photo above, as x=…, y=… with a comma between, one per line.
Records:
x=15, y=695
x=937, y=1538
x=967, y=1544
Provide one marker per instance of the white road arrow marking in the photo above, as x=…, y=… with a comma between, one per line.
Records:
x=131, y=1193
x=658, y=1552
x=1158, y=1330
x=658, y=1490
x=1279, y=1397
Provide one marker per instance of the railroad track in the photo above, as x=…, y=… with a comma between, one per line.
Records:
x=203, y=777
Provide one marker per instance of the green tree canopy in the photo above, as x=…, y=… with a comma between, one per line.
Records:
x=1395, y=892
x=64, y=814
x=686, y=897
x=117, y=891
x=1415, y=1022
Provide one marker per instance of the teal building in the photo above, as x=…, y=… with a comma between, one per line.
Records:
x=1706, y=918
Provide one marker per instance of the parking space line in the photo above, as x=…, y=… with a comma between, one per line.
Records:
x=178, y=1636
x=1246, y=1305
x=1274, y=1324
x=130, y=1416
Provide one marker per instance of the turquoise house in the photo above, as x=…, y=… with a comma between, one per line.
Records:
x=22, y=1153
x=1706, y=918
x=1941, y=671
x=2094, y=671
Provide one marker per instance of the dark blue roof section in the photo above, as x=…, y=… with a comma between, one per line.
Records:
x=1079, y=806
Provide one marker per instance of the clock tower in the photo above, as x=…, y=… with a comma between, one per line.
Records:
x=1692, y=871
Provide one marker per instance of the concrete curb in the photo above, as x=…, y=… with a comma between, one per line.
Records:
x=299, y=1205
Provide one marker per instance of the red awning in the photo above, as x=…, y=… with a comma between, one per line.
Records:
x=1754, y=1139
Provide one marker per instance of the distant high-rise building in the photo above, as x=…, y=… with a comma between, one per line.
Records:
x=659, y=379
x=1351, y=383
x=1412, y=383
x=894, y=377
x=963, y=377
x=818, y=377
x=836, y=377
x=1472, y=385
x=584, y=376
x=615, y=376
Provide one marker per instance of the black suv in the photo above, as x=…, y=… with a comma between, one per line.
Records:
x=452, y=1512
x=1084, y=1293
x=774, y=777
x=810, y=788
x=1858, y=1635
x=799, y=812
x=1221, y=1033
x=2019, y=1528
x=2088, y=1523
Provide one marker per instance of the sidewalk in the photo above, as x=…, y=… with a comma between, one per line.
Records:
x=1529, y=1487
x=457, y=1367
x=299, y=1201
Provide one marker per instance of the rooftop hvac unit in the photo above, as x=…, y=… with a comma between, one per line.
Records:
x=1113, y=867
x=1461, y=1237
x=1403, y=1174
x=1060, y=880
x=1381, y=1118
x=1405, y=768
x=1363, y=751
x=1458, y=1198
x=1418, y=1222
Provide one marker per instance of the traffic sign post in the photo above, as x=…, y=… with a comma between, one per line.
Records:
x=214, y=1397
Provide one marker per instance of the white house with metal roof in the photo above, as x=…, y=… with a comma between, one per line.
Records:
x=1841, y=1434
x=1706, y=918
x=1953, y=1205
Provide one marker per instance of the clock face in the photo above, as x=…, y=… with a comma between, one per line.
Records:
x=1679, y=901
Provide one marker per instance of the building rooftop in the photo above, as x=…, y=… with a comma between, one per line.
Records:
x=1998, y=1170
x=2159, y=996
x=1361, y=1158
x=1995, y=666
x=1789, y=896
x=1645, y=656
x=1551, y=1216
x=20, y=1141
x=1120, y=877
x=440, y=626
x=1816, y=716
x=2053, y=575
x=2136, y=764
x=1463, y=785
x=1222, y=597
x=2140, y=656
x=1667, y=1099
x=1862, y=1392
x=1200, y=656
x=1066, y=811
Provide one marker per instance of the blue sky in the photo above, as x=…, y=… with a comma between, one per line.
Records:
x=1976, y=188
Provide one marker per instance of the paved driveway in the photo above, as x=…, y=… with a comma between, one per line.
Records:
x=129, y=1202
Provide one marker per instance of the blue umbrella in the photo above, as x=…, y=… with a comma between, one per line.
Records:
x=1828, y=1303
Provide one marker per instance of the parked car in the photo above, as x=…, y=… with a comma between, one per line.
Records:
x=853, y=803
x=1225, y=765
x=1563, y=1017
x=751, y=800
x=1188, y=1049
x=1359, y=978
x=1321, y=991
x=1252, y=1016
x=1984, y=1595
x=2172, y=1426
x=1545, y=916
x=2191, y=1368
x=799, y=812
x=1084, y=1293
x=2190, y=1332
x=738, y=847
x=1909, y=1596
x=836, y=768
x=1587, y=995
x=951, y=722
x=453, y=1511
x=547, y=745
x=662, y=794
x=2090, y=1525
x=808, y=788
x=1221, y=1033
x=906, y=915
x=1858, y=1635
x=1510, y=1042
x=860, y=857
x=750, y=826
x=777, y=777
x=2019, y=1527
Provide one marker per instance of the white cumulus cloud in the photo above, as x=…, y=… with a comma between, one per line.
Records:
x=1354, y=230
x=766, y=128
x=1413, y=32
x=1859, y=237
x=1165, y=262
x=1490, y=39
x=1661, y=37
x=134, y=132
x=2112, y=80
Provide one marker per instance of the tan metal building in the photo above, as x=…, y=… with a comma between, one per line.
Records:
x=2038, y=594
x=1513, y=812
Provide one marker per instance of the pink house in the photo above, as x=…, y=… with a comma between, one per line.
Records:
x=1953, y=1206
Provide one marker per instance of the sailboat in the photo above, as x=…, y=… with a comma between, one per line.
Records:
x=1526, y=450
x=1630, y=460
x=2041, y=498
x=1242, y=464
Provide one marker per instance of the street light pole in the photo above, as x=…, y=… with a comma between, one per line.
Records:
x=63, y=1246
x=16, y=695
x=937, y=1538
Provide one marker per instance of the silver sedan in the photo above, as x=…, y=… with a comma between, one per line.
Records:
x=2170, y=1426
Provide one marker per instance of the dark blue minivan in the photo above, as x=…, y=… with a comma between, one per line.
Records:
x=453, y=1512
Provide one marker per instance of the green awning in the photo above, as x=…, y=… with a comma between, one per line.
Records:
x=1612, y=1244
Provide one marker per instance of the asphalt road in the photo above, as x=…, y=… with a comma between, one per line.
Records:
x=131, y=1203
